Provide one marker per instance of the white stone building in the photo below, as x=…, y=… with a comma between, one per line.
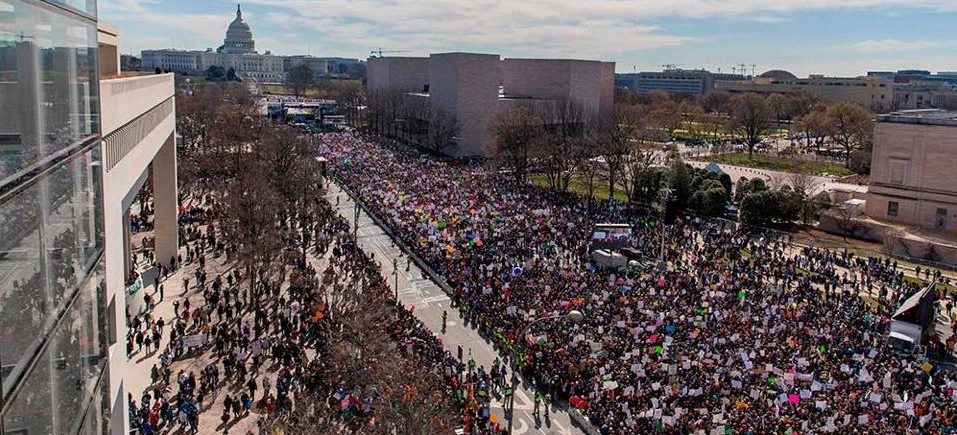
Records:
x=238, y=52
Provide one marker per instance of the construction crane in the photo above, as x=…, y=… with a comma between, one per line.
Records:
x=379, y=51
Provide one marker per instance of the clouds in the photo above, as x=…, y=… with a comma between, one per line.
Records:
x=627, y=31
x=148, y=24
x=592, y=28
x=894, y=45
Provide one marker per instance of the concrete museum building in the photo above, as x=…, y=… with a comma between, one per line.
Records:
x=474, y=88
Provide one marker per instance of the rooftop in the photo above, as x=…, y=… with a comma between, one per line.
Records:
x=922, y=116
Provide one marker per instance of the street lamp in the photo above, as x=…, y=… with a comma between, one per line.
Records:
x=395, y=274
x=574, y=315
x=355, y=223
x=665, y=198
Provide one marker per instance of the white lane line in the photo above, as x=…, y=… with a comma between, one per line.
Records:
x=433, y=299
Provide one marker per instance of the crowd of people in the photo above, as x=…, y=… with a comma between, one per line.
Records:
x=741, y=333
x=270, y=350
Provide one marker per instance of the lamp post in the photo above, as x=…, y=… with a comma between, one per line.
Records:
x=665, y=198
x=355, y=222
x=395, y=275
x=574, y=315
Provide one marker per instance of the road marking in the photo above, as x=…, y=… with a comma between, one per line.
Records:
x=433, y=299
x=521, y=426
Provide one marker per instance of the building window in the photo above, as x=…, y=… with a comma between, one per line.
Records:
x=897, y=171
x=892, y=208
x=941, y=219
x=47, y=70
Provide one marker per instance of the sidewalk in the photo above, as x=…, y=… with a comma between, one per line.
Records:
x=429, y=301
x=141, y=362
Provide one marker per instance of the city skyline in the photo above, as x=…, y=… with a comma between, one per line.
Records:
x=840, y=38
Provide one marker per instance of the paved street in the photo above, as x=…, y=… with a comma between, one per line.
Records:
x=817, y=183
x=430, y=301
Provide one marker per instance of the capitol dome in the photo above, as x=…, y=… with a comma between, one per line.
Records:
x=239, y=38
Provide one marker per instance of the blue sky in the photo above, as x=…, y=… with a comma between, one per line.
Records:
x=833, y=37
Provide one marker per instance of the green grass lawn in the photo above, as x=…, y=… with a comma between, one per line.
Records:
x=779, y=163
x=279, y=89
x=579, y=187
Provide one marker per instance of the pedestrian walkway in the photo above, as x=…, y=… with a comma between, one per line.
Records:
x=428, y=301
x=142, y=361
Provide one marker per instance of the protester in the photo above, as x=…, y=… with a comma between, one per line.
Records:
x=743, y=333
x=276, y=332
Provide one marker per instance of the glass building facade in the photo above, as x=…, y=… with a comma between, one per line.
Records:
x=52, y=314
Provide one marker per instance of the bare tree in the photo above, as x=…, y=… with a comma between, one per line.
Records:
x=587, y=155
x=564, y=123
x=815, y=126
x=803, y=182
x=717, y=102
x=851, y=125
x=691, y=118
x=385, y=110
x=666, y=116
x=640, y=175
x=349, y=96
x=517, y=130
x=752, y=118
x=443, y=128
x=846, y=221
x=616, y=136
x=301, y=79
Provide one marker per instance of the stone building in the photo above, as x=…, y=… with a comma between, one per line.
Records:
x=674, y=81
x=874, y=93
x=474, y=88
x=913, y=178
x=238, y=52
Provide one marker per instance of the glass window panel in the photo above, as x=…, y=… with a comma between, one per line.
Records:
x=77, y=352
x=32, y=411
x=85, y=6
x=48, y=86
x=23, y=302
x=63, y=384
x=49, y=235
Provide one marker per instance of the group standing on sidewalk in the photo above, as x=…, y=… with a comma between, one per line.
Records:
x=266, y=349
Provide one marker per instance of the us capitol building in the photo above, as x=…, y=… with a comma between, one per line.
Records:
x=239, y=52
